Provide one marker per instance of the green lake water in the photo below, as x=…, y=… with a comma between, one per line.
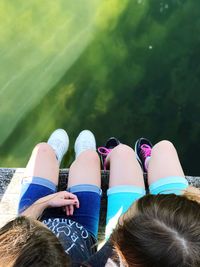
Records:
x=124, y=68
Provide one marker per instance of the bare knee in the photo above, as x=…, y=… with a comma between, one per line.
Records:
x=163, y=146
x=42, y=148
x=89, y=156
x=122, y=151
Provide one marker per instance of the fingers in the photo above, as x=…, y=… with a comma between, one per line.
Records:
x=66, y=200
x=66, y=209
x=68, y=195
x=77, y=204
x=69, y=210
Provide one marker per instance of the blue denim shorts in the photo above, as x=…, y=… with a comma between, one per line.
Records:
x=89, y=198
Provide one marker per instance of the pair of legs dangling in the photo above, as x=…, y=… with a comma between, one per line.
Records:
x=164, y=173
x=126, y=183
x=84, y=180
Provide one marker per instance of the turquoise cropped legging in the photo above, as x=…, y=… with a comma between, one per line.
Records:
x=120, y=198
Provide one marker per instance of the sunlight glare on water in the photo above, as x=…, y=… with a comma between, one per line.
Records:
x=39, y=42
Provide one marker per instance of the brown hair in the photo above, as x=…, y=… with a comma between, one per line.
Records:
x=26, y=242
x=164, y=231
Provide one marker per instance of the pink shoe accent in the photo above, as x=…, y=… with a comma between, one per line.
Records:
x=104, y=151
x=145, y=153
x=145, y=150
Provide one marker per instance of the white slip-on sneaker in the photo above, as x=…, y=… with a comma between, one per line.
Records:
x=84, y=141
x=59, y=141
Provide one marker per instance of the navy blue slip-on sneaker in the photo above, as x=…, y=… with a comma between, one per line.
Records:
x=143, y=149
x=105, y=150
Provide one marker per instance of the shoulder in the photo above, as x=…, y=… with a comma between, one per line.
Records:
x=103, y=256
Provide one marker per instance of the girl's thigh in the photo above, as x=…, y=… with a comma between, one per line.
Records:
x=90, y=201
x=32, y=189
x=120, y=198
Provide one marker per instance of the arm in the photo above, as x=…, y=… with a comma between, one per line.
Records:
x=61, y=199
x=102, y=257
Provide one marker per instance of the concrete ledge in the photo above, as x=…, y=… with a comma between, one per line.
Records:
x=6, y=175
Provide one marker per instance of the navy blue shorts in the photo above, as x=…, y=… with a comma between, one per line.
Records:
x=89, y=197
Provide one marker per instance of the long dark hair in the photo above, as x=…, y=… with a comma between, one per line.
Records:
x=162, y=231
x=26, y=242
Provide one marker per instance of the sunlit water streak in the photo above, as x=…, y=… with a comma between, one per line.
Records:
x=29, y=69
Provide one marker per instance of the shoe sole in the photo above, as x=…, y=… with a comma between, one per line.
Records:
x=137, y=157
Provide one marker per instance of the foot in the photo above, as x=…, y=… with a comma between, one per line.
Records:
x=84, y=141
x=105, y=150
x=143, y=149
x=59, y=141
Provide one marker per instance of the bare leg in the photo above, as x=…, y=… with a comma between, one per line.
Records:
x=124, y=168
x=124, y=171
x=43, y=163
x=164, y=162
x=85, y=169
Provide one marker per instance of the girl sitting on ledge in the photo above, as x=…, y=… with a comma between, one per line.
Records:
x=56, y=229
x=160, y=228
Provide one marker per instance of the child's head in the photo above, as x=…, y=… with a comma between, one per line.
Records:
x=26, y=242
x=160, y=231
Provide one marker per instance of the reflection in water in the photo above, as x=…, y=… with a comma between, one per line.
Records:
x=126, y=68
x=41, y=41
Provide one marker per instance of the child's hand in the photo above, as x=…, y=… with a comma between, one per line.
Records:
x=62, y=199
